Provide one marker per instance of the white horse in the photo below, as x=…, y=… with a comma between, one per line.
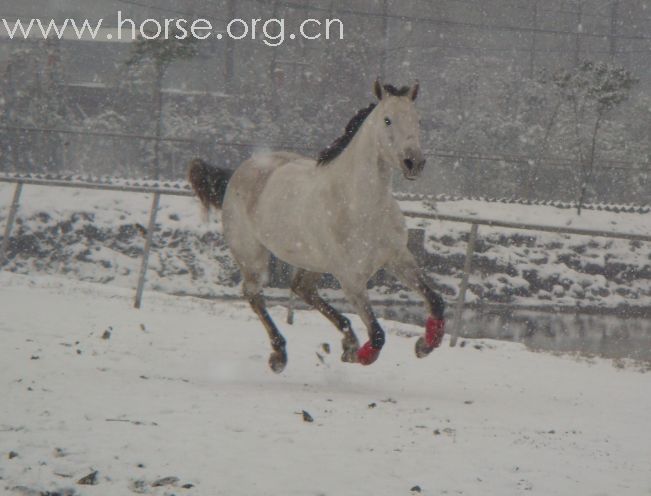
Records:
x=333, y=215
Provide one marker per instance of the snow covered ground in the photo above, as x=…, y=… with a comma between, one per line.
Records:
x=181, y=389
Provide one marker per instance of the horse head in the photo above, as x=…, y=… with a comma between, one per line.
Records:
x=398, y=131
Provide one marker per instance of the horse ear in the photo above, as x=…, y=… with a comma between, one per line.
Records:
x=378, y=89
x=413, y=93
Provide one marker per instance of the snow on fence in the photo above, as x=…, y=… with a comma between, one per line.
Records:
x=416, y=236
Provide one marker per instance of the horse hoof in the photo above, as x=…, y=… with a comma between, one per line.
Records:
x=351, y=347
x=278, y=361
x=434, y=332
x=349, y=355
x=422, y=349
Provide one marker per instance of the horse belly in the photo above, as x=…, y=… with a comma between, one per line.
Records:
x=289, y=223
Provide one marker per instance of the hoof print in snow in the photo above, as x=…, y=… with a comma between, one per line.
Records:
x=165, y=481
x=89, y=480
x=26, y=491
x=12, y=455
x=416, y=489
x=307, y=417
x=139, y=486
x=59, y=453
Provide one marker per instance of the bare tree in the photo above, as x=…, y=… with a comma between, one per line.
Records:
x=162, y=52
x=591, y=90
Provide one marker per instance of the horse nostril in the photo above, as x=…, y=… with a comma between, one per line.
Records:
x=409, y=163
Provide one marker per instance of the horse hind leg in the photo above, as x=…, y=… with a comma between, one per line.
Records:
x=254, y=276
x=304, y=285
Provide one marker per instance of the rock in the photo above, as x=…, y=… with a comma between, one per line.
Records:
x=107, y=334
x=307, y=417
x=165, y=481
x=187, y=486
x=416, y=489
x=89, y=480
x=12, y=455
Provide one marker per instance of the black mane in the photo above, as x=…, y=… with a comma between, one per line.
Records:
x=339, y=145
x=393, y=91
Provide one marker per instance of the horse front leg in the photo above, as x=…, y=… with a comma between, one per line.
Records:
x=405, y=268
x=358, y=297
x=305, y=286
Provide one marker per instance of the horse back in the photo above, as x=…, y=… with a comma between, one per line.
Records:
x=252, y=177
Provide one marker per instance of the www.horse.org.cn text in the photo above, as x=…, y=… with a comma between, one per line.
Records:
x=272, y=32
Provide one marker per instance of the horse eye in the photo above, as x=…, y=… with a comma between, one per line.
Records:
x=387, y=121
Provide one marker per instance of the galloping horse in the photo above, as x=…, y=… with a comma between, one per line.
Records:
x=332, y=215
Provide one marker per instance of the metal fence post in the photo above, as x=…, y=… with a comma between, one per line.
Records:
x=292, y=298
x=10, y=222
x=461, y=300
x=145, y=257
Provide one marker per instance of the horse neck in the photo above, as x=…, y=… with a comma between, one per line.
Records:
x=362, y=170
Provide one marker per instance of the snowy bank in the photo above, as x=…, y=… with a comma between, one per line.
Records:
x=99, y=235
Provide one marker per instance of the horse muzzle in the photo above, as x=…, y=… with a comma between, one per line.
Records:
x=412, y=166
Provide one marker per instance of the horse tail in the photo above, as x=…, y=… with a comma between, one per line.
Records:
x=208, y=182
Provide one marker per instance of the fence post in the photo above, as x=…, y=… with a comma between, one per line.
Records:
x=461, y=300
x=292, y=298
x=145, y=257
x=10, y=222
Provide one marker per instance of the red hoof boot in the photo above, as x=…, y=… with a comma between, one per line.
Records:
x=367, y=354
x=434, y=332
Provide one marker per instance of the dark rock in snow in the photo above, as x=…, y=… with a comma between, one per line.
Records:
x=89, y=480
x=165, y=481
x=307, y=417
x=12, y=454
x=416, y=489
